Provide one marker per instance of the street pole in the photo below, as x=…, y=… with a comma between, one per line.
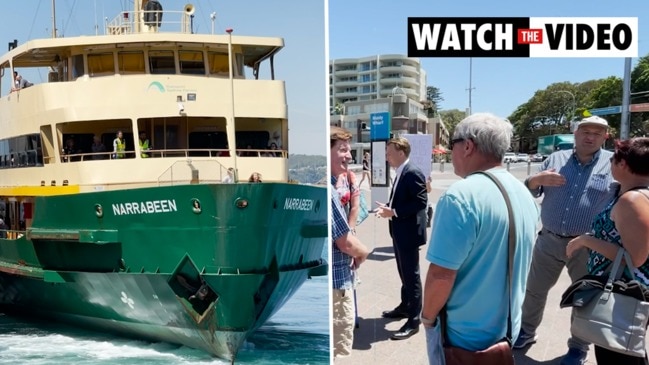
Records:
x=626, y=97
x=470, y=84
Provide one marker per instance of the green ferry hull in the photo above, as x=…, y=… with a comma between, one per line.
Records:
x=197, y=265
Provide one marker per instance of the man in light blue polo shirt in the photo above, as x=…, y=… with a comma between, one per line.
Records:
x=468, y=249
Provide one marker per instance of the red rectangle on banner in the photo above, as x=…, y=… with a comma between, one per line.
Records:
x=530, y=36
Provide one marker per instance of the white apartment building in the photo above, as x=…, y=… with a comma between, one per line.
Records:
x=375, y=77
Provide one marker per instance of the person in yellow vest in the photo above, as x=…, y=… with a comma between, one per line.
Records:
x=119, y=145
x=144, y=145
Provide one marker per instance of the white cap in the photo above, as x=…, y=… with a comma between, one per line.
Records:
x=594, y=121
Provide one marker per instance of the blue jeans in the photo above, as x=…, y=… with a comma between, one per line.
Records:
x=434, y=345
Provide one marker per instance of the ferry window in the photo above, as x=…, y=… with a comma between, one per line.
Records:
x=207, y=140
x=257, y=140
x=101, y=64
x=4, y=152
x=130, y=62
x=77, y=66
x=34, y=151
x=165, y=136
x=191, y=62
x=162, y=62
x=218, y=63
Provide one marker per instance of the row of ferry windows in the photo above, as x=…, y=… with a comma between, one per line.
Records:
x=24, y=151
x=21, y=151
x=160, y=62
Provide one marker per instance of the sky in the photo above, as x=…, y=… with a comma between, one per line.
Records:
x=302, y=63
x=364, y=28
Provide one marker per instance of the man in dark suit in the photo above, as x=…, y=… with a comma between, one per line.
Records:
x=406, y=210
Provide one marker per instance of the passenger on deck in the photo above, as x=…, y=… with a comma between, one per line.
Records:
x=98, y=147
x=119, y=145
x=248, y=152
x=223, y=152
x=70, y=149
x=229, y=179
x=255, y=177
x=277, y=140
x=273, y=152
x=19, y=82
x=144, y=144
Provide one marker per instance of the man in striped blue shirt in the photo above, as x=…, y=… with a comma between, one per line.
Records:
x=575, y=185
x=347, y=251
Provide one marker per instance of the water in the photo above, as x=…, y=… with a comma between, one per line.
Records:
x=297, y=334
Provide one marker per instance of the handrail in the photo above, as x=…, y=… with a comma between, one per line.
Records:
x=125, y=22
x=176, y=153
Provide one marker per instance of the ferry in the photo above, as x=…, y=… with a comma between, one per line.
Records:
x=126, y=192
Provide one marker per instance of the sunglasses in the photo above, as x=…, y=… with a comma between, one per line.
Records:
x=454, y=141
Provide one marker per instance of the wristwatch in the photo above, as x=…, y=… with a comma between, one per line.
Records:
x=427, y=322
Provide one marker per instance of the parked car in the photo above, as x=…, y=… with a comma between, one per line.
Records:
x=510, y=157
x=537, y=158
x=522, y=157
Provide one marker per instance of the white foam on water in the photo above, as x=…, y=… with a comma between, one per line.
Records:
x=52, y=348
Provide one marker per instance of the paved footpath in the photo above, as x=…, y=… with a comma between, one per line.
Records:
x=379, y=291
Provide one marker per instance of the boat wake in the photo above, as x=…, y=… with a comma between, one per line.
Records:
x=297, y=334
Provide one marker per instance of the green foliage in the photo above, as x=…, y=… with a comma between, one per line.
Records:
x=640, y=79
x=433, y=100
x=338, y=109
x=307, y=169
x=451, y=118
x=549, y=111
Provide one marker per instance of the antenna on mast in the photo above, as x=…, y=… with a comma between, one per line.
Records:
x=53, y=19
x=471, y=88
x=213, y=16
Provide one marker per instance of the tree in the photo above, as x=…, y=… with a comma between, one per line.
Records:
x=433, y=100
x=640, y=85
x=548, y=111
x=451, y=118
x=338, y=109
x=640, y=79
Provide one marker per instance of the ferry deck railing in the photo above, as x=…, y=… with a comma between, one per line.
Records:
x=168, y=21
x=182, y=153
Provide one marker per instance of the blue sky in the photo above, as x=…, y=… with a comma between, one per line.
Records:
x=364, y=28
x=302, y=62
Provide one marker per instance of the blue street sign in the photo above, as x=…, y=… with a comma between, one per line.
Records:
x=606, y=111
x=380, y=126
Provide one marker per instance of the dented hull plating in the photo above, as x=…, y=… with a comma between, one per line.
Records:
x=203, y=269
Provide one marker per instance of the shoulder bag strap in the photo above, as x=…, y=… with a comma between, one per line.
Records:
x=512, y=247
x=510, y=260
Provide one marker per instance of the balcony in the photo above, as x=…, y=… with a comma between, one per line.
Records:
x=345, y=72
x=410, y=70
x=346, y=83
x=400, y=80
x=409, y=92
x=391, y=68
x=345, y=94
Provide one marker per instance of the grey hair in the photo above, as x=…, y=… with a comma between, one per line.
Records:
x=492, y=135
